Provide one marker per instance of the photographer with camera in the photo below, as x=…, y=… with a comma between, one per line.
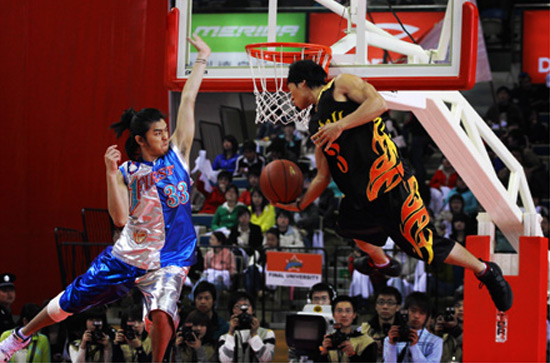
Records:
x=194, y=342
x=321, y=294
x=132, y=342
x=343, y=344
x=95, y=345
x=246, y=341
x=449, y=326
x=411, y=341
x=387, y=304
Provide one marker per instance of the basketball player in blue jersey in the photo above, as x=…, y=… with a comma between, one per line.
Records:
x=381, y=193
x=149, y=196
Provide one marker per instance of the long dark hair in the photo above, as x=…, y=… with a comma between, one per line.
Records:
x=264, y=199
x=138, y=123
x=234, y=145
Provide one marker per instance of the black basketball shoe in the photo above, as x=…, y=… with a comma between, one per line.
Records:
x=365, y=266
x=498, y=287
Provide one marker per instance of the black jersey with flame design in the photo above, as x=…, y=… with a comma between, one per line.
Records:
x=364, y=162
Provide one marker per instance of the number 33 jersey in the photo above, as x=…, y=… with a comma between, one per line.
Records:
x=159, y=231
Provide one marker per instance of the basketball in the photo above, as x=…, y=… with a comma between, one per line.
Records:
x=281, y=181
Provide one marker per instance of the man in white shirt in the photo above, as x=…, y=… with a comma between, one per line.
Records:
x=415, y=344
x=246, y=341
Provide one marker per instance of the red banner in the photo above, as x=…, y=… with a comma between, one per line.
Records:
x=536, y=44
x=327, y=28
x=293, y=269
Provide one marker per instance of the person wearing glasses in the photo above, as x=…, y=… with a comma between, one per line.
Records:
x=387, y=305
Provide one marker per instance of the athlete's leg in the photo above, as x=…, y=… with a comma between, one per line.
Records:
x=376, y=253
x=40, y=321
x=376, y=260
x=51, y=314
x=460, y=256
x=162, y=330
x=161, y=290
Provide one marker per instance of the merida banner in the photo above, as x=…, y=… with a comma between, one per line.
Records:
x=228, y=34
x=293, y=269
x=536, y=44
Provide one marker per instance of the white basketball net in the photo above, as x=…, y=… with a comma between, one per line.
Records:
x=269, y=74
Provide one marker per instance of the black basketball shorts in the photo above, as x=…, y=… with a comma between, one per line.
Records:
x=400, y=214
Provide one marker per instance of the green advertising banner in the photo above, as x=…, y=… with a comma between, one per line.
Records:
x=229, y=33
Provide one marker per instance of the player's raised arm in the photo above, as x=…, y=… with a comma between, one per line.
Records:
x=350, y=87
x=185, y=122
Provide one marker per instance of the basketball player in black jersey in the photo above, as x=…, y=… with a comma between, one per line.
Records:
x=381, y=193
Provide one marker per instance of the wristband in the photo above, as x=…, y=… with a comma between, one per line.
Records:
x=200, y=60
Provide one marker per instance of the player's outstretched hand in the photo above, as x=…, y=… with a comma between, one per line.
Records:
x=327, y=135
x=200, y=46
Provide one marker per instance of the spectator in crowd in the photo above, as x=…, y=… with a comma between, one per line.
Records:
x=227, y=160
x=205, y=300
x=95, y=345
x=38, y=349
x=263, y=212
x=387, y=304
x=535, y=171
x=269, y=131
x=244, y=234
x=470, y=202
x=253, y=275
x=444, y=176
x=503, y=113
x=529, y=97
x=288, y=235
x=7, y=297
x=420, y=145
x=343, y=344
x=249, y=159
x=449, y=326
x=253, y=177
x=537, y=132
x=219, y=263
x=419, y=345
x=292, y=141
x=445, y=217
x=321, y=294
x=460, y=228
x=132, y=343
x=194, y=342
x=196, y=270
x=226, y=214
x=277, y=151
x=215, y=197
x=246, y=341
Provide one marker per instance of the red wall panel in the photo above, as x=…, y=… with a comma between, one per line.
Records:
x=68, y=70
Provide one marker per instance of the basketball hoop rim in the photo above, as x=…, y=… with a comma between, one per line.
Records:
x=308, y=51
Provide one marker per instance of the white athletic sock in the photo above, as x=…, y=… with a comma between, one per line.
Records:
x=382, y=264
x=484, y=270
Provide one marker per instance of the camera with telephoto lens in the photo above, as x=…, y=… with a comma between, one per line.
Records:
x=245, y=319
x=404, y=330
x=97, y=334
x=449, y=314
x=337, y=337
